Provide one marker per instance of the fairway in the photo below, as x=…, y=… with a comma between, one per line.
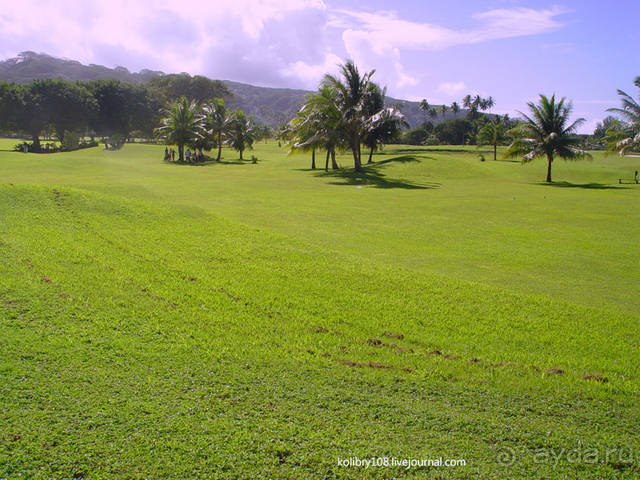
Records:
x=238, y=319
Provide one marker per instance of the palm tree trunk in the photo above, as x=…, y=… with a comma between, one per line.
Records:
x=181, y=153
x=313, y=159
x=36, y=143
x=356, y=159
x=326, y=162
x=370, y=155
x=334, y=164
x=241, y=154
x=219, y=146
x=549, y=160
x=495, y=152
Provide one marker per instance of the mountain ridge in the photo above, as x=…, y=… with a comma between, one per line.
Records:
x=271, y=105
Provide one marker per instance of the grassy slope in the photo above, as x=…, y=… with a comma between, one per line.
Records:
x=163, y=320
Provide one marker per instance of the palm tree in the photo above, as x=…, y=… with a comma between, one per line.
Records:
x=547, y=133
x=382, y=123
x=182, y=126
x=305, y=130
x=351, y=92
x=424, y=107
x=443, y=110
x=216, y=121
x=492, y=133
x=328, y=122
x=241, y=133
x=455, y=108
x=627, y=136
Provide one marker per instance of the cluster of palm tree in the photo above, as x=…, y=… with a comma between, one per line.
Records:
x=345, y=113
x=625, y=135
x=206, y=126
x=433, y=110
x=477, y=103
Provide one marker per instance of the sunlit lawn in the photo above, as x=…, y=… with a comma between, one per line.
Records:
x=228, y=320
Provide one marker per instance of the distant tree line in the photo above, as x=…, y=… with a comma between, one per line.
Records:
x=113, y=110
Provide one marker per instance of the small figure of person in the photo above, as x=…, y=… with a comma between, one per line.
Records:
x=636, y=176
x=188, y=155
x=173, y=155
x=166, y=153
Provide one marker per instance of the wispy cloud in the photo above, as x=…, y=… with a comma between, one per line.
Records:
x=268, y=42
x=385, y=31
x=452, y=89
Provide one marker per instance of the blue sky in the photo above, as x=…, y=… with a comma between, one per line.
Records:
x=509, y=49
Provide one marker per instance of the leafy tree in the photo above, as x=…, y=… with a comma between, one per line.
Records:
x=241, y=133
x=122, y=108
x=547, y=133
x=65, y=106
x=415, y=136
x=10, y=104
x=70, y=106
x=628, y=136
x=169, y=88
x=182, y=126
x=216, y=122
x=492, y=133
x=453, y=131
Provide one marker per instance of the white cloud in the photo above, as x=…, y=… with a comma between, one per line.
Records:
x=267, y=42
x=452, y=89
x=384, y=31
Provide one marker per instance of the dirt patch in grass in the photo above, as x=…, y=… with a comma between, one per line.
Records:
x=595, y=376
x=399, y=336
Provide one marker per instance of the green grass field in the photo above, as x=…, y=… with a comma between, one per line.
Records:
x=242, y=320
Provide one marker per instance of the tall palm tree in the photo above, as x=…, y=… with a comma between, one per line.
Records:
x=547, y=133
x=329, y=125
x=383, y=123
x=241, y=133
x=455, y=108
x=216, y=121
x=351, y=92
x=424, y=107
x=182, y=126
x=627, y=136
x=443, y=110
x=492, y=133
x=305, y=130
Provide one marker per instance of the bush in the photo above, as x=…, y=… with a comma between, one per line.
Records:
x=70, y=141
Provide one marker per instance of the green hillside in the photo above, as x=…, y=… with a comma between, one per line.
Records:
x=272, y=106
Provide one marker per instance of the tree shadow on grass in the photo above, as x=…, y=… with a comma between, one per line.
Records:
x=210, y=162
x=429, y=148
x=372, y=176
x=589, y=186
